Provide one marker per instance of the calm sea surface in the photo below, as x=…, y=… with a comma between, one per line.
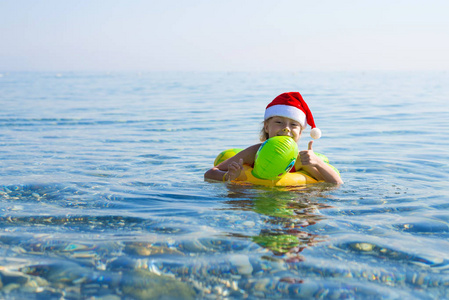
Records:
x=102, y=193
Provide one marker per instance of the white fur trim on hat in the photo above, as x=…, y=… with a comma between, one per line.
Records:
x=286, y=111
x=315, y=133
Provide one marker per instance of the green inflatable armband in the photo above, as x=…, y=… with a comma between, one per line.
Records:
x=224, y=155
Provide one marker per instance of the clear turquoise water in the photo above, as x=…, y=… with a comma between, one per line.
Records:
x=102, y=191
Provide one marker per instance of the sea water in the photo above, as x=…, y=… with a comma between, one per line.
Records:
x=102, y=193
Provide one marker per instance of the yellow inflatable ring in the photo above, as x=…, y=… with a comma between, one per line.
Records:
x=289, y=179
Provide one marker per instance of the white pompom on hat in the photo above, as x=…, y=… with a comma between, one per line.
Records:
x=292, y=105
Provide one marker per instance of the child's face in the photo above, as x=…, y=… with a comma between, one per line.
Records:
x=283, y=126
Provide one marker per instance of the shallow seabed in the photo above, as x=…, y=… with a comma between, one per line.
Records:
x=102, y=193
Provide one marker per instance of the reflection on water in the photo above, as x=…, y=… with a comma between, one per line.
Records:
x=288, y=213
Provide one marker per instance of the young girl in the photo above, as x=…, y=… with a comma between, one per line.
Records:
x=288, y=114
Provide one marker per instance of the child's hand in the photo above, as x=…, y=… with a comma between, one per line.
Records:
x=234, y=170
x=308, y=157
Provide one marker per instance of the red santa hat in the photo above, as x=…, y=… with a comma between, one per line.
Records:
x=292, y=105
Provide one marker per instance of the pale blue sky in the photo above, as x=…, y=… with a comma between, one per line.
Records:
x=232, y=35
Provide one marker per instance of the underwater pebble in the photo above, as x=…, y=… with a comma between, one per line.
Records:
x=32, y=284
x=39, y=281
x=259, y=294
x=17, y=249
x=107, y=297
x=271, y=265
x=10, y=287
x=142, y=284
x=32, y=287
x=262, y=284
x=218, y=290
x=249, y=223
x=17, y=208
x=11, y=277
x=308, y=290
x=241, y=262
x=363, y=246
x=234, y=285
x=147, y=249
x=126, y=263
x=194, y=246
x=54, y=294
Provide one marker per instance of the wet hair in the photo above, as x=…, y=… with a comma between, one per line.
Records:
x=263, y=135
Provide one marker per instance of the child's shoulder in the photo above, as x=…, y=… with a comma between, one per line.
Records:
x=249, y=154
x=254, y=148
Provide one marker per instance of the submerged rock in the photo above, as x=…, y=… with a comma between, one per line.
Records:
x=142, y=284
x=242, y=263
x=12, y=277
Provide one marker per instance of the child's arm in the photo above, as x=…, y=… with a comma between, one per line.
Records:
x=232, y=168
x=317, y=167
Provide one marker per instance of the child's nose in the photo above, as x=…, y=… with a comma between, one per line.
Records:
x=286, y=129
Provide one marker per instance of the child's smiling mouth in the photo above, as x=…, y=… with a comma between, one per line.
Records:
x=285, y=134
